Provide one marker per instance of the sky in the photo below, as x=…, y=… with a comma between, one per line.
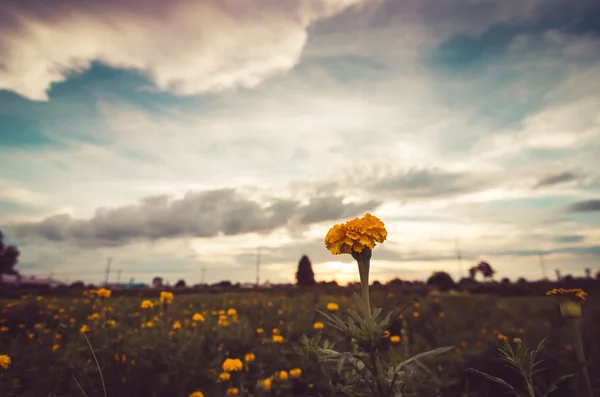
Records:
x=176, y=136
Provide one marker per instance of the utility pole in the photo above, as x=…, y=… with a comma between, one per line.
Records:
x=542, y=265
x=257, y=266
x=108, y=262
x=119, y=276
x=458, y=259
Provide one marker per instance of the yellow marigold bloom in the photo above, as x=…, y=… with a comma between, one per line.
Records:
x=355, y=235
x=166, y=297
x=4, y=329
x=94, y=316
x=146, y=304
x=416, y=314
x=277, y=338
x=332, y=307
x=502, y=337
x=84, y=329
x=275, y=331
x=295, y=373
x=249, y=357
x=103, y=293
x=223, y=321
x=55, y=347
x=224, y=376
x=386, y=334
x=318, y=325
x=442, y=315
x=233, y=391
x=259, y=331
x=4, y=361
x=232, y=364
x=395, y=339
x=149, y=324
x=197, y=317
x=283, y=375
x=196, y=394
x=265, y=384
x=177, y=325
x=570, y=301
x=232, y=312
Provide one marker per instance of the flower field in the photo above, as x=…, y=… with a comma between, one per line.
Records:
x=249, y=342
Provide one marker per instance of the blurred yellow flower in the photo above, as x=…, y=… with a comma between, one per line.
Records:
x=318, y=325
x=4, y=329
x=94, y=316
x=232, y=312
x=233, y=391
x=197, y=317
x=502, y=337
x=295, y=373
x=103, y=293
x=416, y=314
x=55, y=347
x=224, y=376
x=332, y=307
x=395, y=339
x=176, y=325
x=355, y=235
x=282, y=375
x=259, y=330
x=249, y=357
x=386, y=334
x=166, y=297
x=146, y=304
x=196, y=394
x=275, y=331
x=4, y=361
x=277, y=338
x=84, y=329
x=265, y=384
x=232, y=364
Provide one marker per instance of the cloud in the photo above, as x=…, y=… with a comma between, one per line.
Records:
x=585, y=206
x=197, y=214
x=557, y=179
x=185, y=46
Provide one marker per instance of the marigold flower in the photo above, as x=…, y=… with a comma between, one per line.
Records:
x=146, y=304
x=196, y=394
x=55, y=347
x=386, y=334
x=224, y=376
x=197, y=317
x=4, y=361
x=232, y=364
x=395, y=339
x=249, y=357
x=332, y=307
x=259, y=331
x=295, y=373
x=570, y=301
x=166, y=297
x=177, y=325
x=502, y=337
x=265, y=384
x=318, y=325
x=233, y=391
x=277, y=338
x=4, y=329
x=84, y=329
x=232, y=312
x=282, y=375
x=355, y=235
x=103, y=293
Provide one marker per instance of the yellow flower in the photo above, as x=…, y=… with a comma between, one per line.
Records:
x=232, y=312
x=4, y=361
x=395, y=339
x=318, y=325
x=275, y=331
x=265, y=384
x=148, y=324
x=277, y=338
x=570, y=301
x=416, y=314
x=259, y=330
x=147, y=304
x=166, y=297
x=225, y=376
x=295, y=373
x=502, y=337
x=332, y=307
x=249, y=357
x=283, y=375
x=176, y=325
x=223, y=321
x=196, y=394
x=4, y=329
x=232, y=364
x=355, y=235
x=94, y=316
x=103, y=293
x=233, y=391
x=386, y=334
x=55, y=347
x=442, y=315
x=197, y=317
x=84, y=329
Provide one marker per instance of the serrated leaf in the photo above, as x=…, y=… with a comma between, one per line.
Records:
x=495, y=379
x=555, y=383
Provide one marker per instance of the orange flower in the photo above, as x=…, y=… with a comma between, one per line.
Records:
x=355, y=235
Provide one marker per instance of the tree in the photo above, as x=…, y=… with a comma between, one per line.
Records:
x=305, y=277
x=180, y=284
x=9, y=257
x=157, y=282
x=442, y=280
x=486, y=270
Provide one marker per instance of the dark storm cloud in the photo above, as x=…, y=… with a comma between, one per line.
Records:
x=557, y=179
x=197, y=214
x=585, y=206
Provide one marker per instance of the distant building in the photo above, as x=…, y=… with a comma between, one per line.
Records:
x=32, y=281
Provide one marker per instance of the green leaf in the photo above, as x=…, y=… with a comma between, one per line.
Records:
x=360, y=303
x=495, y=379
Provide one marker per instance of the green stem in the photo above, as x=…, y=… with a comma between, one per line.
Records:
x=363, y=270
x=574, y=325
